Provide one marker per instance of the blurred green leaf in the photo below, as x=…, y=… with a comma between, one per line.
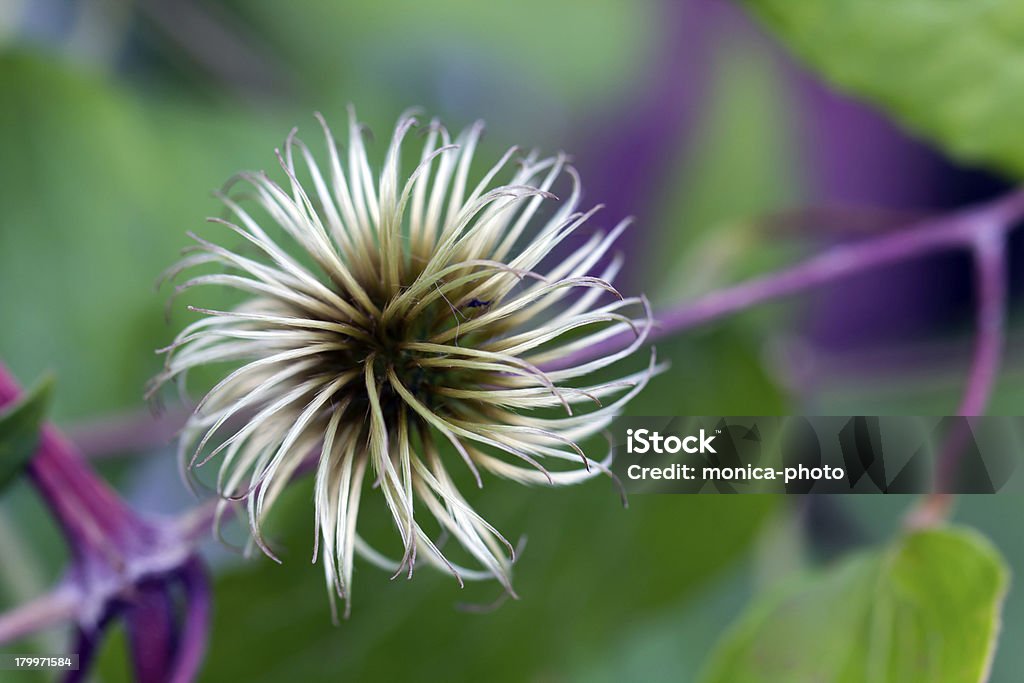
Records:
x=456, y=57
x=98, y=188
x=20, y=423
x=588, y=563
x=738, y=168
x=951, y=71
x=925, y=609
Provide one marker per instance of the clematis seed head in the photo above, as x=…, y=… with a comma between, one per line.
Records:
x=396, y=327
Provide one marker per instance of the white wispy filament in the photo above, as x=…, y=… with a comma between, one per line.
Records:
x=396, y=328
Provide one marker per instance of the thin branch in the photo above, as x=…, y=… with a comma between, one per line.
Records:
x=51, y=609
x=956, y=231
x=137, y=432
x=991, y=278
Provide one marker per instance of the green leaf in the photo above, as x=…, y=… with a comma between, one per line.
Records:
x=950, y=71
x=20, y=423
x=925, y=609
x=69, y=137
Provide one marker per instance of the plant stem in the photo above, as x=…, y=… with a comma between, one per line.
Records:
x=987, y=223
x=133, y=432
x=991, y=285
x=992, y=293
x=52, y=609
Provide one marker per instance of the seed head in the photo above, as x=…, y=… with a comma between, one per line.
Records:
x=395, y=328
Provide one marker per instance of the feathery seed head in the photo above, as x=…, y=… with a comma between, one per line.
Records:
x=395, y=326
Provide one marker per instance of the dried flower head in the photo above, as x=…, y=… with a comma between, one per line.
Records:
x=395, y=327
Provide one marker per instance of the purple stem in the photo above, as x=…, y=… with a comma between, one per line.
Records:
x=991, y=278
x=45, y=611
x=974, y=229
x=126, y=433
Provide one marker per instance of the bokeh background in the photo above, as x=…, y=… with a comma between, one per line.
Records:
x=118, y=118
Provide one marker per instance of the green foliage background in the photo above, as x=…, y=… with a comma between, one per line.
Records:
x=102, y=171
